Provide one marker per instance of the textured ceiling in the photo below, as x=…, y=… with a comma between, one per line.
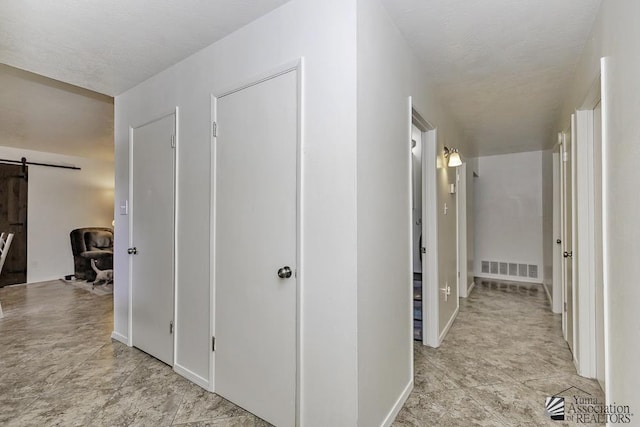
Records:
x=41, y=114
x=105, y=46
x=500, y=66
x=111, y=46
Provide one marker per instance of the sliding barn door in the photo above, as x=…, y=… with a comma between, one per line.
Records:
x=13, y=219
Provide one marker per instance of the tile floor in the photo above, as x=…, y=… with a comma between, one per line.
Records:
x=58, y=367
x=502, y=357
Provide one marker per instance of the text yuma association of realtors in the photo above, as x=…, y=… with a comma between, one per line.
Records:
x=589, y=410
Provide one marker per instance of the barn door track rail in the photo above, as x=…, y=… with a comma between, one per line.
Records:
x=24, y=163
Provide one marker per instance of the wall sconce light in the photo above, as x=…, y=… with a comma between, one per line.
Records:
x=453, y=156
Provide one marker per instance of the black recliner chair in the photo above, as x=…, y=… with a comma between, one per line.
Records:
x=91, y=243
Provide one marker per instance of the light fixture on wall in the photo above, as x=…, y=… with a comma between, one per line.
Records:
x=453, y=156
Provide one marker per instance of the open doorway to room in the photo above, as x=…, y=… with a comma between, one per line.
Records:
x=416, y=228
x=13, y=219
x=424, y=230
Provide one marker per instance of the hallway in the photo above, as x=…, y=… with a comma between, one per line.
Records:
x=502, y=358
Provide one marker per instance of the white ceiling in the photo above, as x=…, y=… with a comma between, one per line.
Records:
x=105, y=46
x=111, y=46
x=500, y=66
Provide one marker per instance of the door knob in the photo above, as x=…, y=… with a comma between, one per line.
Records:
x=284, y=272
x=567, y=254
x=132, y=251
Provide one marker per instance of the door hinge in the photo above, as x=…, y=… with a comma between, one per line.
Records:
x=171, y=327
x=213, y=343
x=565, y=306
x=173, y=141
x=423, y=250
x=214, y=128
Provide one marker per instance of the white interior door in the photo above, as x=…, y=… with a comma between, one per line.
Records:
x=598, y=267
x=461, y=218
x=430, y=297
x=255, y=249
x=152, y=237
x=567, y=241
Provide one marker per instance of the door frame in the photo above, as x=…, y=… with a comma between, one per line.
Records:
x=297, y=66
x=587, y=209
x=430, y=333
x=562, y=143
x=461, y=225
x=557, y=290
x=130, y=205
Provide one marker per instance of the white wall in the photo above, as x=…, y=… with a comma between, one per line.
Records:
x=60, y=200
x=615, y=37
x=324, y=33
x=388, y=73
x=508, y=212
x=548, y=238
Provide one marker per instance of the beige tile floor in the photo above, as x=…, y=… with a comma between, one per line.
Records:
x=502, y=357
x=58, y=367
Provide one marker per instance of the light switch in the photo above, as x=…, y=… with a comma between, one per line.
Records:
x=124, y=207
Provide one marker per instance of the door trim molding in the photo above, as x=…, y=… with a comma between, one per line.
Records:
x=461, y=252
x=586, y=212
x=430, y=225
x=605, y=99
x=296, y=65
x=430, y=214
x=574, y=237
x=175, y=113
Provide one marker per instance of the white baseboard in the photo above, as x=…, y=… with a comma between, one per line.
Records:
x=449, y=324
x=398, y=405
x=498, y=277
x=191, y=376
x=546, y=290
x=470, y=288
x=119, y=337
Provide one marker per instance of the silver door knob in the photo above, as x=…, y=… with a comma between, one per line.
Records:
x=132, y=251
x=285, y=272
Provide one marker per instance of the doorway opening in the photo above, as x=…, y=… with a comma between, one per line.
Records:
x=416, y=228
x=423, y=226
x=13, y=219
